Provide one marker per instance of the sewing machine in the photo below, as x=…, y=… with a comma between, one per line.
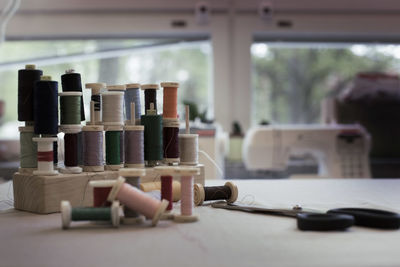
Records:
x=340, y=150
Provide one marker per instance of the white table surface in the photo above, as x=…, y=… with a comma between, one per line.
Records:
x=220, y=237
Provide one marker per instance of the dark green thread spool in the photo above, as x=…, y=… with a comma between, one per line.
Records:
x=113, y=153
x=153, y=143
x=70, y=108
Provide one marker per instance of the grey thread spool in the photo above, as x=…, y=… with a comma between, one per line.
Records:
x=93, y=148
x=188, y=149
x=132, y=94
x=132, y=176
x=96, y=98
x=134, y=146
x=28, y=150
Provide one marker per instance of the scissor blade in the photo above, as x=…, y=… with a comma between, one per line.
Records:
x=256, y=209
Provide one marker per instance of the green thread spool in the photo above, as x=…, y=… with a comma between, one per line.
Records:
x=113, y=147
x=69, y=214
x=153, y=143
x=28, y=148
x=70, y=108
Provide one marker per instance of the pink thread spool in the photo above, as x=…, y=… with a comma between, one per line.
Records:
x=137, y=200
x=101, y=190
x=186, y=174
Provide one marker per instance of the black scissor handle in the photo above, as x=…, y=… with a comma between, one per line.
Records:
x=324, y=221
x=372, y=218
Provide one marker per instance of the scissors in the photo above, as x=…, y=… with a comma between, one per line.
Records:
x=334, y=219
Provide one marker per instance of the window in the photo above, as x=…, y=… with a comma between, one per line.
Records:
x=290, y=80
x=118, y=61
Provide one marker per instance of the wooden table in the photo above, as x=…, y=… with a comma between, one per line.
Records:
x=220, y=237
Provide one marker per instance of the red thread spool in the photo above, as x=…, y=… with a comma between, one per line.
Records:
x=170, y=99
x=101, y=190
x=166, y=189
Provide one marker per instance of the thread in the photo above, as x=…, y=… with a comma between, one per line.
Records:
x=132, y=94
x=186, y=195
x=55, y=150
x=46, y=106
x=137, y=200
x=113, y=113
x=150, y=96
x=70, y=108
x=166, y=189
x=153, y=143
x=45, y=156
x=134, y=146
x=80, y=148
x=92, y=137
x=71, y=149
x=113, y=139
x=28, y=148
x=27, y=79
x=170, y=99
x=121, y=147
x=171, y=140
x=228, y=192
x=188, y=149
x=69, y=214
x=95, y=115
x=101, y=190
x=156, y=186
x=71, y=82
x=135, y=182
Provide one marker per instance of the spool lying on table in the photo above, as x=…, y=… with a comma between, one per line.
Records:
x=93, y=148
x=101, y=190
x=113, y=147
x=96, y=98
x=137, y=200
x=132, y=177
x=186, y=173
x=45, y=156
x=28, y=149
x=228, y=192
x=171, y=141
x=134, y=146
x=71, y=148
x=69, y=214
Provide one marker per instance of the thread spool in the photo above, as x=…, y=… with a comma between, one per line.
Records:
x=188, y=149
x=153, y=147
x=46, y=106
x=112, y=112
x=166, y=176
x=70, y=108
x=71, y=151
x=113, y=147
x=170, y=99
x=28, y=150
x=71, y=82
x=150, y=96
x=171, y=140
x=134, y=146
x=132, y=95
x=27, y=79
x=101, y=189
x=96, y=98
x=45, y=156
x=137, y=200
x=228, y=192
x=93, y=148
x=69, y=214
x=186, y=174
x=153, y=186
x=132, y=176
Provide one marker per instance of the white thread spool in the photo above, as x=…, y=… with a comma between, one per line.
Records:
x=71, y=129
x=186, y=174
x=188, y=149
x=119, y=88
x=45, y=156
x=96, y=97
x=113, y=113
